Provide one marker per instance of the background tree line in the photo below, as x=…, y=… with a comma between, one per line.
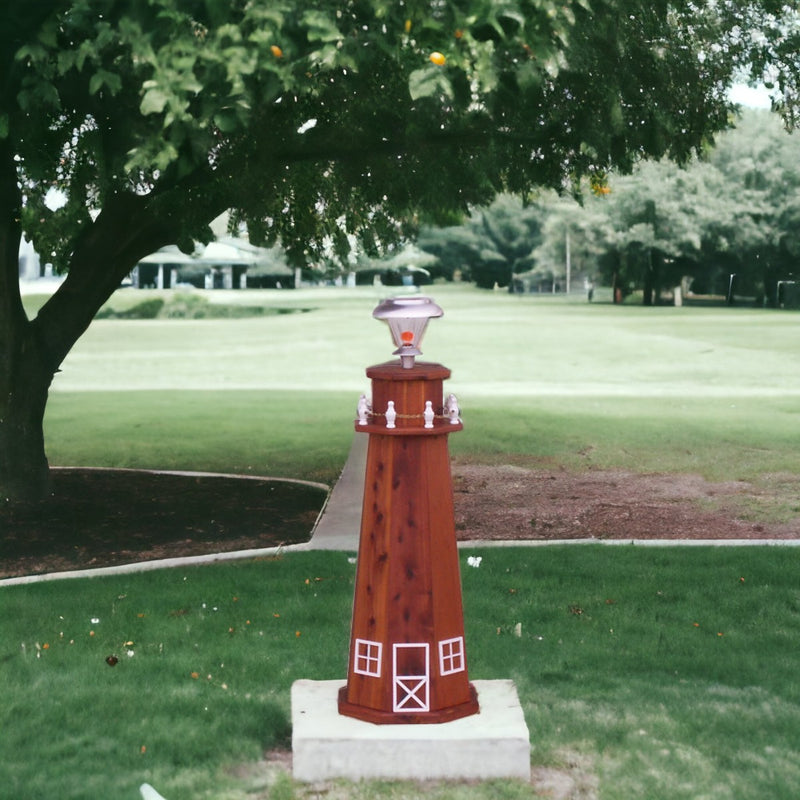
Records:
x=735, y=211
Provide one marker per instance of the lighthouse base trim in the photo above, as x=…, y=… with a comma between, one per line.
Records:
x=326, y=744
x=471, y=706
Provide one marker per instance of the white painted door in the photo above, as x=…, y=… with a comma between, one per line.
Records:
x=411, y=677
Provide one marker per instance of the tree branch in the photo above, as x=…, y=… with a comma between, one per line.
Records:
x=129, y=228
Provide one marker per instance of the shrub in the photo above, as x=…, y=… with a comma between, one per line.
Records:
x=147, y=309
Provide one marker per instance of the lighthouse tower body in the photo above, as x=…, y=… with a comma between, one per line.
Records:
x=407, y=660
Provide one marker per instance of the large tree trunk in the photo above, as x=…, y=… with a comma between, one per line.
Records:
x=24, y=471
x=24, y=376
x=32, y=351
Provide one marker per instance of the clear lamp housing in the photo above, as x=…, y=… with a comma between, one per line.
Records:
x=407, y=318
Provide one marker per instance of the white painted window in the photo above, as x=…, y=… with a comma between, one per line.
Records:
x=368, y=658
x=451, y=655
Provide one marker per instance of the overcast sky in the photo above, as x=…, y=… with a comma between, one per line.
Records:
x=747, y=96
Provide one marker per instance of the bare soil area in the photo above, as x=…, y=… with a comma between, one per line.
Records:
x=105, y=517
x=512, y=502
x=98, y=518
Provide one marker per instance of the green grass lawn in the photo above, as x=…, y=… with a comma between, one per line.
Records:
x=654, y=673
x=650, y=673
x=708, y=390
x=278, y=433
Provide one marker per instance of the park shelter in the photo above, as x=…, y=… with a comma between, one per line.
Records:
x=227, y=263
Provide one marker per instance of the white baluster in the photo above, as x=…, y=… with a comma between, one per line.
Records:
x=364, y=409
x=453, y=410
x=428, y=414
x=391, y=415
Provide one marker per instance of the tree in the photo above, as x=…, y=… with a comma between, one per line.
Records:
x=654, y=228
x=759, y=168
x=354, y=118
x=730, y=213
x=510, y=231
x=571, y=232
x=491, y=246
x=457, y=249
x=727, y=213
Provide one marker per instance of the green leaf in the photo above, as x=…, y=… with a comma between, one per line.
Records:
x=512, y=17
x=227, y=120
x=529, y=76
x=320, y=28
x=484, y=68
x=429, y=82
x=96, y=83
x=48, y=33
x=85, y=51
x=154, y=101
x=103, y=78
x=230, y=32
x=32, y=52
x=65, y=60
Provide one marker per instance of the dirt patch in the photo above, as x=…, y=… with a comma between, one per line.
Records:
x=512, y=502
x=106, y=517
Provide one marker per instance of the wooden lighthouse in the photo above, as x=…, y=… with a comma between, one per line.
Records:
x=407, y=661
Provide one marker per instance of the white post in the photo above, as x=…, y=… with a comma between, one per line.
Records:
x=391, y=415
x=364, y=408
x=569, y=262
x=428, y=414
x=452, y=409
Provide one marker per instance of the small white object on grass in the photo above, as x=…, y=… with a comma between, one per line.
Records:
x=149, y=793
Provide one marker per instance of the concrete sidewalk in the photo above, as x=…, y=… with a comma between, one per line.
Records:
x=339, y=523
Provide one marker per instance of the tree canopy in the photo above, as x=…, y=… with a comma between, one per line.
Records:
x=491, y=245
x=733, y=212
x=314, y=125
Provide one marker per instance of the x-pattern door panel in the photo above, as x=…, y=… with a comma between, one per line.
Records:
x=411, y=673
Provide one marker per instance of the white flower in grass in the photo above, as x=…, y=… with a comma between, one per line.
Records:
x=474, y=561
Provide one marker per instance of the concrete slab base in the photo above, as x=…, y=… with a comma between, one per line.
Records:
x=491, y=744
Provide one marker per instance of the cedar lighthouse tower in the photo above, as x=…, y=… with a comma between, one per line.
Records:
x=407, y=660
